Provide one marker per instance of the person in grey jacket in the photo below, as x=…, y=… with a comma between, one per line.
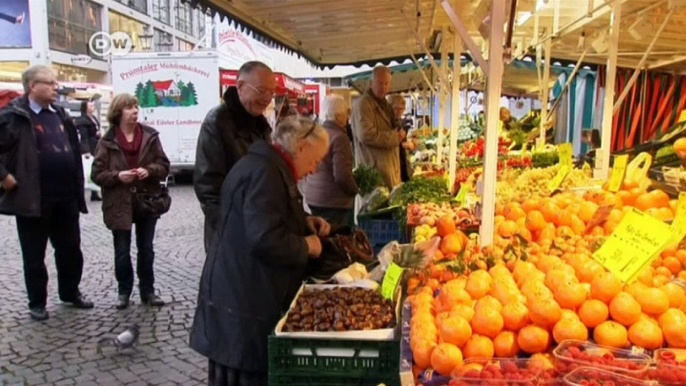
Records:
x=330, y=192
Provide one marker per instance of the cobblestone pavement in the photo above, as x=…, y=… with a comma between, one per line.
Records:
x=62, y=350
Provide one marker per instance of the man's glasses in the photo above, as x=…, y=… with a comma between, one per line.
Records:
x=263, y=93
x=49, y=83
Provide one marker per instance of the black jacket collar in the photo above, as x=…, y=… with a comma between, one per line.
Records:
x=245, y=122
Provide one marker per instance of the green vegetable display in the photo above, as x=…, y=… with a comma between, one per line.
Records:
x=419, y=190
x=544, y=159
x=367, y=179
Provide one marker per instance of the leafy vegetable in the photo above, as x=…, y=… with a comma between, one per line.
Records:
x=544, y=159
x=421, y=189
x=367, y=179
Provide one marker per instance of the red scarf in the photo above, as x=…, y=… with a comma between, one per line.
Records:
x=289, y=160
x=130, y=149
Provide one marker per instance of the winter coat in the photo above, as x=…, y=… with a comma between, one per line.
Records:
x=117, y=197
x=256, y=264
x=19, y=157
x=333, y=185
x=89, y=133
x=225, y=135
x=376, y=138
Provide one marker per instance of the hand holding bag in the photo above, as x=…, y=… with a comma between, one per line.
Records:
x=343, y=247
x=153, y=204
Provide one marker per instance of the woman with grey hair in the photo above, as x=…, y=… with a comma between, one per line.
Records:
x=330, y=192
x=397, y=102
x=259, y=258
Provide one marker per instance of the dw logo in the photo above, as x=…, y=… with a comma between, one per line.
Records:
x=117, y=43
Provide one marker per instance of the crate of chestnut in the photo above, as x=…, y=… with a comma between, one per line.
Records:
x=339, y=312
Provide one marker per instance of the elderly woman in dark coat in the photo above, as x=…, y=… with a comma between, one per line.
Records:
x=258, y=260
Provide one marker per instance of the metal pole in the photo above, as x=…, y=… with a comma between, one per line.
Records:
x=603, y=159
x=418, y=38
x=643, y=105
x=546, y=93
x=569, y=82
x=464, y=34
x=442, y=98
x=640, y=65
x=454, y=110
x=421, y=70
x=493, y=89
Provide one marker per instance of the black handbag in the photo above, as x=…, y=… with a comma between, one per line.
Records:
x=344, y=246
x=151, y=204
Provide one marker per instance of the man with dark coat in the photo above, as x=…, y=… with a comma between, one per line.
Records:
x=42, y=185
x=227, y=132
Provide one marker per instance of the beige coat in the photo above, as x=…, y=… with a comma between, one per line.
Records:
x=375, y=137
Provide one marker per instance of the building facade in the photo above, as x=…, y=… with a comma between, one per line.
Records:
x=57, y=32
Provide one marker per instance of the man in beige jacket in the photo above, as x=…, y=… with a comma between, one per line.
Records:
x=376, y=137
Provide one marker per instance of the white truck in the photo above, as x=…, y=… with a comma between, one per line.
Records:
x=175, y=90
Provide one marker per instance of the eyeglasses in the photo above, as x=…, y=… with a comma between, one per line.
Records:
x=263, y=93
x=310, y=131
x=49, y=83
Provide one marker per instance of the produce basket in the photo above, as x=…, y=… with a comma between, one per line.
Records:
x=670, y=366
x=324, y=362
x=381, y=231
x=497, y=371
x=584, y=375
x=573, y=354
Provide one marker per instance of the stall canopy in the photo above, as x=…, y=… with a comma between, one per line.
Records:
x=359, y=32
x=285, y=85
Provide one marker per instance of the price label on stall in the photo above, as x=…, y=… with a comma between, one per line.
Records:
x=462, y=193
x=682, y=116
x=678, y=226
x=564, y=151
x=555, y=183
x=390, y=280
x=618, y=173
x=635, y=243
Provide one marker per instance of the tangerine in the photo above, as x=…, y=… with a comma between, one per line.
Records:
x=549, y=210
x=672, y=264
x=455, y=330
x=646, y=335
x=487, y=321
x=478, y=284
x=464, y=311
x=653, y=301
x=422, y=351
x=535, y=221
x=625, y=309
x=515, y=316
x=451, y=244
x=570, y=295
x=478, y=346
x=505, y=345
x=445, y=226
x=445, y=358
x=569, y=328
x=593, y=312
x=533, y=339
x=488, y=301
x=675, y=294
x=544, y=312
x=611, y=334
x=673, y=324
x=605, y=287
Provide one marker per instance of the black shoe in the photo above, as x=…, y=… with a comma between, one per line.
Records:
x=38, y=313
x=95, y=197
x=122, y=302
x=152, y=300
x=81, y=302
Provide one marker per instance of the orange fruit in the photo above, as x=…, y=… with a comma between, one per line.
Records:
x=557, y=277
x=646, y=276
x=507, y=228
x=634, y=288
x=673, y=324
x=645, y=201
x=664, y=214
x=569, y=328
x=505, y=345
x=440, y=318
x=570, y=295
x=515, y=316
x=549, y=210
x=660, y=199
x=445, y=358
x=445, y=226
x=563, y=217
x=625, y=309
x=536, y=289
x=672, y=264
x=421, y=353
x=660, y=270
x=609, y=227
x=478, y=284
x=487, y=321
x=564, y=231
x=611, y=334
x=659, y=281
x=569, y=314
x=593, y=312
x=451, y=244
x=488, y=301
x=464, y=311
x=605, y=287
x=535, y=221
x=653, y=301
x=587, y=211
x=578, y=226
x=505, y=292
x=531, y=204
x=525, y=234
x=675, y=294
x=646, y=335
x=478, y=346
x=455, y=330
x=533, y=339
x=544, y=312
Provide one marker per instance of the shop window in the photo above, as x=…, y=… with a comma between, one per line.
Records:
x=202, y=23
x=184, y=17
x=121, y=23
x=160, y=10
x=185, y=46
x=163, y=41
x=139, y=5
x=71, y=23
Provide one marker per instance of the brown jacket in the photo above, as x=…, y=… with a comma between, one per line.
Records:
x=376, y=137
x=333, y=185
x=117, y=197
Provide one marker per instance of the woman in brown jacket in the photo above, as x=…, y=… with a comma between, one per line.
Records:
x=130, y=158
x=330, y=192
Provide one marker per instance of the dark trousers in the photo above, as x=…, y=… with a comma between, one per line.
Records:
x=59, y=223
x=220, y=375
x=335, y=216
x=123, y=270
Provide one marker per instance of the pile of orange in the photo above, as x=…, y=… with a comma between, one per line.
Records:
x=559, y=293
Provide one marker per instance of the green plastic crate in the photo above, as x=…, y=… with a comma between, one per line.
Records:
x=322, y=362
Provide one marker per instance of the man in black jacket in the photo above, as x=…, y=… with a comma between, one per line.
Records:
x=227, y=132
x=42, y=185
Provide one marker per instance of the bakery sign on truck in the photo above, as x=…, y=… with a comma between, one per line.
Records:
x=175, y=90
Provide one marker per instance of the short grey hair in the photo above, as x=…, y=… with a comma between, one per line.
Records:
x=334, y=105
x=292, y=130
x=394, y=99
x=249, y=67
x=380, y=69
x=31, y=73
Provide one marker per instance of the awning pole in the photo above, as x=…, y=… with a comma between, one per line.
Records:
x=493, y=89
x=442, y=98
x=421, y=70
x=603, y=159
x=546, y=94
x=569, y=82
x=464, y=34
x=454, y=110
x=640, y=65
x=420, y=42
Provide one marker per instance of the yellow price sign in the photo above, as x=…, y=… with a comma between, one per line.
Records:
x=390, y=280
x=678, y=226
x=618, y=172
x=462, y=193
x=635, y=243
x=564, y=151
x=682, y=116
x=555, y=183
x=524, y=149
